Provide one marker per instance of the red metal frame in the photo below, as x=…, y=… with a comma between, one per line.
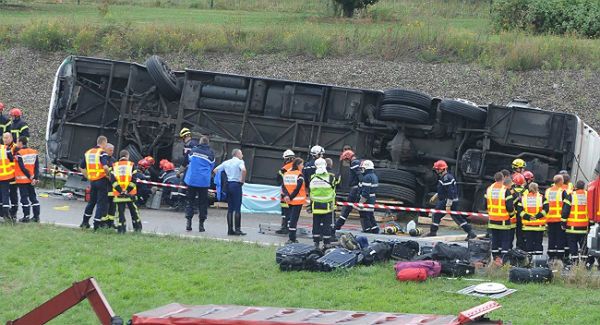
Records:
x=79, y=291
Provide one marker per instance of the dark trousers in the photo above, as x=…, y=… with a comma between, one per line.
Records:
x=518, y=231
x=293, y=216
x=556, y=240
x=576, y=244
x=111, y=211
x=322, y=227
x=5, y=194
x=29, y=201
x=234, y=197
x=353, y=197
x=14, y=199
x=98, y=199
x=202, y=194
x=501, y=241
x=135, y=216
x=367, y=218
x=461, y=221
x=533, y=242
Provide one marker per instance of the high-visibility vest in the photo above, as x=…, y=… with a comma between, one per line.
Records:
x=7, y=167
x=290, y=181
x=123, y=171
x=322, y=193
x=554, y=197
x=578, y=222
x=94, y=168
x=285, y=167
x=533, y=203
x=29, y=156
x=496, y=206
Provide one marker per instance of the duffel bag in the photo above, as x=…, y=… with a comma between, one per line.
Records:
x=433, y=268
x=295, y=249
x=517, y=257
x=480, y=251
x=337, y=258
x=539, y=261
x=405, y=251
x=444, y=252
x=423, y=257
x=457, y=268
x=412, y=274
x=523, y=275
x=376, y=252
x=292, y=263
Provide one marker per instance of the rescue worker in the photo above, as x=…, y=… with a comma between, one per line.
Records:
x=288, y=159
x=567, y=185
x=169, y=176
x=529, y=177
x=518, y=190
x=294, y=194
x=199, y=163
x=322, y=198
x=575, y=222
x=18, y=127
x=533, y=214
x=4, y=121
x=506, y=174
x=94, y=166
x=338, y=180
x=316, y=152
x=235, y=170
x=7, y=175
x=355, y=179
x=142, y=173
x=7, y=139
x=188, y=143
x=518, y=166
x=447, y=199
x=499, y=205
x=555, y=195
x=108, y=220
x=27, y=172
x=593, y=201
x=368, y=188
x=124, y=192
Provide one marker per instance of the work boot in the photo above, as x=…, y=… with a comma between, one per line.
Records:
x=137, y=226
x=317, y=245
x=201, y=226
x=25, y=219
x=188, y=225
x=431, y=234
x=238, y=224
x=471, y=235
x=230, y=224
x=121, y=229
x=85, y=224
x=291, y=241
x=284, y=227
x=36, y=219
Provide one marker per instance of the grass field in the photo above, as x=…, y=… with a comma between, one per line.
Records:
x=140, y=272
x=428, y=31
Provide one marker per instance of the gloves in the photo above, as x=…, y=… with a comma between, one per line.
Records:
x=539, y=215
x=563, y=225
x=527, y=217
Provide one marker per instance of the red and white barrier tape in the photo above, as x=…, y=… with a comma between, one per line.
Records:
x=270, y=198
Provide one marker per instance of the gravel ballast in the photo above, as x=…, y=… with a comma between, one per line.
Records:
x=26, y=78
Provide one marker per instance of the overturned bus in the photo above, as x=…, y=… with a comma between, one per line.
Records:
x=141, y=108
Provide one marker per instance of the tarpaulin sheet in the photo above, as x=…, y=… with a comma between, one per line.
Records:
x=256, y=205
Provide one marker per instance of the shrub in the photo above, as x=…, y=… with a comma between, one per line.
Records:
x=46, y=36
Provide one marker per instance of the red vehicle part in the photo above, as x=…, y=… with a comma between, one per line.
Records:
x=79, y=291
x=177, y=314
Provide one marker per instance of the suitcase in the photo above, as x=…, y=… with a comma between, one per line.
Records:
x=296, y=249
x=480, y=251
x=337, y=258
x=405, y=251
x=523, y=275
x=457, y=268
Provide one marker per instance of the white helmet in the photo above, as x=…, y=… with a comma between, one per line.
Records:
x=321, y=164
x=317, y=150
x=288, y=154
x=367, y=164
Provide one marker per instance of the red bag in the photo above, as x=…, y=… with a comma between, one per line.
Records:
x=433, y=268
x=412, y=274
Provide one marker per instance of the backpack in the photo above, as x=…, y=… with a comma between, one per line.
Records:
x=412, y=274
x=480, y=251
x=349, y=242
x=376, y=252
x=517, y=257
x=433, y=268
x=405, y=251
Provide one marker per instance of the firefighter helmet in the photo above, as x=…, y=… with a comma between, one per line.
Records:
x=288, y=154
x=347, y=155
x=440, y=165
x=528, y=175
x=15, y=112
x=518, y=179
x=144, y=164
x=317, y=150
x=518, y=163
x=367, y=164
x=185, y=132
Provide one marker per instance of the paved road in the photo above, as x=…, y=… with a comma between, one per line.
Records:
x=64, y=212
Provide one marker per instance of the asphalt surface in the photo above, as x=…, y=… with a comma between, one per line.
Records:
x=61, y=211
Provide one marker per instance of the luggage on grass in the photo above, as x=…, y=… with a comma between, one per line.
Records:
x=433, y=268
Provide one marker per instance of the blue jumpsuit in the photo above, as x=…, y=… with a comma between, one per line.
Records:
x=447, y=191
x=354, y=195
x=368, y=188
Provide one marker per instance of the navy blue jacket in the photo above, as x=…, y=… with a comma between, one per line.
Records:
x=446, y=188
x=201, y=161
x=356, y=175
x=369, y=185
x=307, y=172
x=187, y=148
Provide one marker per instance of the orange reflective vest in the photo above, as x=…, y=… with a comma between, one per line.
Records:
x=94, y=168
x=290, y=181
x=578, y=222
x=496, y=206
x=554, y=196
x=123, y=171
x=533, y=203
x=7, y=167
x=29, y=156
x=285, y=167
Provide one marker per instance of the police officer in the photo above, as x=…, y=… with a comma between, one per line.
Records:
x=288, y=159
x=322, y=198
x=368, y=188
x=518, y=190
x=355, y=179
x=124, y=192
x=7, y=175
x=555, y=195
x=575, y=222
x=235, y=170
x=27, y=172
x=199, y=164
x=447, y=196
x=534, y=208
x=108, y=220
x=94, y=166
x=294, y=194
x=4, y=121
x=499, y=206
x=142, y=172
x=7, y=139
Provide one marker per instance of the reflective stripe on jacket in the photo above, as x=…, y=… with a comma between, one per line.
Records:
x=94, y=168
x=290, y=182
x=496, y=206
x=7, y=167
x=29, y=156
x=532, y=205
x=554, y=197
x=578, y=222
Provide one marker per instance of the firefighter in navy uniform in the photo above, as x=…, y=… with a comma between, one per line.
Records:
x=534, y=208
x=188, y=142
x=142, y=172
x=368, y=188
x=18, y=127
x=447, y=196
x=516, y=226
x=355, y=179
x=576, y=223
x=322, y=198
x=27, y=171
x=124, y=192
x=7, y=139
x=7, y=175
x=4, y=121
x=169, y=176
x=555, y=195
x=108, y=220
x=309, y=169
x=94, y=166
x=288, y=160
x=499, y=206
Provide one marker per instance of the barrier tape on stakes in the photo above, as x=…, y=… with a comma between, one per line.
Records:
x=356, y=205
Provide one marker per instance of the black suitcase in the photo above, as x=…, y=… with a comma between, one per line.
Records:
x=337, y=258
x=444, y=252
x=405, y=251
x=480, y=251
x=457, y=268
x=297, y=249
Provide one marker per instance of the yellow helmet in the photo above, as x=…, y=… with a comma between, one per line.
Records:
x=184, y=132
x=518, y=163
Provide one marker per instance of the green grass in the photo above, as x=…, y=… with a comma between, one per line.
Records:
x=141, y=272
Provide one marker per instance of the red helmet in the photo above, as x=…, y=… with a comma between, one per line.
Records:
x=15, y=112
x=150, y=160
x=1, y=107
x=144, y=164
x=528, y=175
x=166, y=165
x=440, y=165
x=347, y=155
x=518, y=179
